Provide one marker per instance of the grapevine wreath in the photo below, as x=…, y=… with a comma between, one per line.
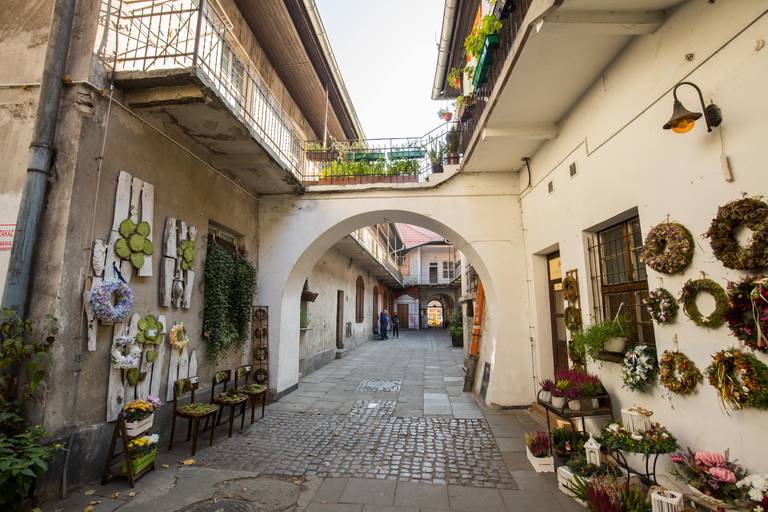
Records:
x=691, y=290
x=261, y=352
x=100, y=299
x=672, y=363
x=639, y=367
x=572, y=317
x=570, y=289
x=668, y=248
x=751, y=213
x=661, y=305
x=740, y=378
x=131, y=357
x=748, y=303
x=177, y=337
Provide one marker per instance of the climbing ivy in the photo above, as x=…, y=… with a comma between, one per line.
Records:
x=241, y=300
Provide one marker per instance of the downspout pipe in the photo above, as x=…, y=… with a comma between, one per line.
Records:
x=16, y=292
x=444, y=49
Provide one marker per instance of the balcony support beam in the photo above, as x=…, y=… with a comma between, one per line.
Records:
x=601, y=22
x=162, y=96
x=240, y=161
x=537, y=131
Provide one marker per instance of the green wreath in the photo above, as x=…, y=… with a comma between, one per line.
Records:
x=691, y=290
x=572, y=317
x=672, y=364
x=260, y=375
x=668, y=248
x=751, y=213
x=740, y=379
x=570, y=289
x=261, y=353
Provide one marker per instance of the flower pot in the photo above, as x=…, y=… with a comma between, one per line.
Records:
x=437, y=168
x=141, y=463
x=453, y=159
x=615, y=345
x=709, y=499
x=541, y=464
x=558, y=401
x=574, y=405
x=546, y=396
x=135, y=428
x=322, y=155
x=448, y=116
x=457, y=341
x=595, y=403
x=465, y=112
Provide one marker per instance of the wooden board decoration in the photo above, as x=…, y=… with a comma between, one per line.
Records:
x=176, y=275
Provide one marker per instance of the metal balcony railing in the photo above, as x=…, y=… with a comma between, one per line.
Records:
x=510, y=27
x=369, y=240
x=394, y=160
x=167, y=34
x=426, y=278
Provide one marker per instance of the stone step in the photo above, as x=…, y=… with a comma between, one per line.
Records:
x=341, y=352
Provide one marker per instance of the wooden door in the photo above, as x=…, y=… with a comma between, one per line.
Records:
x=402, y=312
x=340, y=319
x=556, y=311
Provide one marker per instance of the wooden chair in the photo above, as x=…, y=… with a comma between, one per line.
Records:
x=231, y=399
x=180, y=388
x=249, y=390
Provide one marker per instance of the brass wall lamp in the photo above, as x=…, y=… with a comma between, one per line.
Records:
x=682, y=120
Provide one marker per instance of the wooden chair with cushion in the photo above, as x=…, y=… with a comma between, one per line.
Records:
x=252, y=390
x=194, y=412
x=231, y=399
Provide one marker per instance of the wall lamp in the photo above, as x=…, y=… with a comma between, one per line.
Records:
x=682, y=120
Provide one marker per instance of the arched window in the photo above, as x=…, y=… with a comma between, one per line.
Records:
x=359, y=300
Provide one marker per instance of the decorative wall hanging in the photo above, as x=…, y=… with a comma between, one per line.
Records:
x=691, y=290
x=261, y=345
x=668, y=248
x=177, y=337
x=674, y=362
x=134, y=244
x=661, y=305
x=740, y=379
x=751, y=213
x=125, y=353
x=748, y=302
x=150, y=331
x=177, y=276
x=570, y=289
x=101, y=300
x=639, y=367
x=572, y=318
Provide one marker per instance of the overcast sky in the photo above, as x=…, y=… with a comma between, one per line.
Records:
x=387, y=52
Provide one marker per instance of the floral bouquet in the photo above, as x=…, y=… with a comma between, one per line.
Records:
x=139, y=409
x=655, y=440
x=710, y=473
x=141, y=446
x=639, y=367
x=756, y=489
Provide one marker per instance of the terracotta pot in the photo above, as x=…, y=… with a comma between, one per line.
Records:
x=448, y=116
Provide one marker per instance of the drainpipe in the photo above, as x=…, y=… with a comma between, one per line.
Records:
x=40, y=156
x=444, y=50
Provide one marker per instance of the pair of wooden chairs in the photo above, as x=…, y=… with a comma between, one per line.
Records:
x=238, y=397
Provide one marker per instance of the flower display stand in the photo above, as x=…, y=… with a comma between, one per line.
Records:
x=132, y=470
x=135, y=428
x=541, y=464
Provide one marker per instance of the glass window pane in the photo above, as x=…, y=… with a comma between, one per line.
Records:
x=559, y=307
x=560, y=326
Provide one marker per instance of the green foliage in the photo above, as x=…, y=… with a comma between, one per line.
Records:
x=456, y=329
x=187, y=252
x=467, y=101
x=590, y=341
x=561, y=436
x=22, y=460
x=23, y=343
x=442, y=112
x=436, y=153
x=454, y=78
x=150, y=330
x=134, y=244
x=489, y=24
x=380, y=167
x=579, y=466
x=452, y=139
x=632, y=499
x=304, y=321
x=227, y=302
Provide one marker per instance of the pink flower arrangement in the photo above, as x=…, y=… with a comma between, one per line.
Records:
x=707, y=459
x=723, y=475
x=710, y=473
x=154, y=401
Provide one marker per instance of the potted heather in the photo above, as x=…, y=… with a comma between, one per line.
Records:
x=537, y=448
x=546, y=390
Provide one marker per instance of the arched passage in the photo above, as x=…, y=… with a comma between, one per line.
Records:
x=294, y=232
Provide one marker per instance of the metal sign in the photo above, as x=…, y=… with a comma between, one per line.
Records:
x=6, y=236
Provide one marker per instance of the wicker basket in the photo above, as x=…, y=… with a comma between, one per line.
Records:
x=634, y=420
x=666, y=501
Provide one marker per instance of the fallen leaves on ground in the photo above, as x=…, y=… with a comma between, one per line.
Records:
x=131, y=494
x=337, y=433
x=296, y=481
x=229, y=496
x=88, y=508
x=207, y=464
x=114, y=495
x=94, y=503
x=187, y=462
x=166, y=466
x=88, y=493
x=361, y=431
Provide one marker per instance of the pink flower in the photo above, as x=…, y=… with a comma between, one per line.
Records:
x=722, y=474
x=709, y=459
x=676, y=458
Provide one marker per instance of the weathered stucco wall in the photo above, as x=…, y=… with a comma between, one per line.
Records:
x=330, y=275
x=627, y=163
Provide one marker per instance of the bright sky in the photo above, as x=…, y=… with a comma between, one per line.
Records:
x=387, y=52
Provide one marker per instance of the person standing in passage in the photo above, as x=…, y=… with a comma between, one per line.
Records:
x=395, y=325
x=383, y=321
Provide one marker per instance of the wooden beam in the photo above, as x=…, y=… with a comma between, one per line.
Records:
x=602, y=22
x=522, y=131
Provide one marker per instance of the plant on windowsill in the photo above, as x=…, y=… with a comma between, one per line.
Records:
x=599, y=337
x=318, y=153
x=481, y=44
x=436, y=153
x=465, y=105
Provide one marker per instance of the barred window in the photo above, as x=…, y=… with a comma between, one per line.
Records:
x=619, y=281
x=359, y=300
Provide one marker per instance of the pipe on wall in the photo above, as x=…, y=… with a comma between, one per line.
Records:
x=444, y=49
x=16, y=293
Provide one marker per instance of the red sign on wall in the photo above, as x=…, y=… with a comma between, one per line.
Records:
x=6, y=236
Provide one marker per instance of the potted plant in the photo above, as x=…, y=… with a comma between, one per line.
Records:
x=606, y=336
x=546, y=389
x=436, y=157
x=456, y=329
x=445, y=113
x=454, y=78
x=318, y=153
x=537, y=448
x=139, y=415
x=465, y=105
x=563, y=442
x=142, y=451
x=452, y=140
x=710, y=476
x=558, y=394
x=481, y=44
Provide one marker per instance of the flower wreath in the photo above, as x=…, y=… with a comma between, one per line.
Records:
x=740, y=378
x=260, y=375
x=131, y=357
x=751, y=213
x=177, y=337
x=100, y=298
x=572, y=317
x=261, y=353
x=570, y=289
x=748, y=301
x=639, y=367
x=668, y=248
x=260, y=314
x=661, y=305
x=691, y=290
x=676, y=362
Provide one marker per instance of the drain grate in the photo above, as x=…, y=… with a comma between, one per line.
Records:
x=379, y=385
x=221, y=505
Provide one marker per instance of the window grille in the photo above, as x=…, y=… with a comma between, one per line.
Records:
x=619, y=280
x=359, y=300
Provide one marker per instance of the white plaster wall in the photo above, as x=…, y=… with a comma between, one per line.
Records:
x=626, y=162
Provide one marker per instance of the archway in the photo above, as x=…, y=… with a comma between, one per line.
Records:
x=435, y=313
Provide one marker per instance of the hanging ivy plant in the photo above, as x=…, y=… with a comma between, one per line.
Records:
x=227, y=302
